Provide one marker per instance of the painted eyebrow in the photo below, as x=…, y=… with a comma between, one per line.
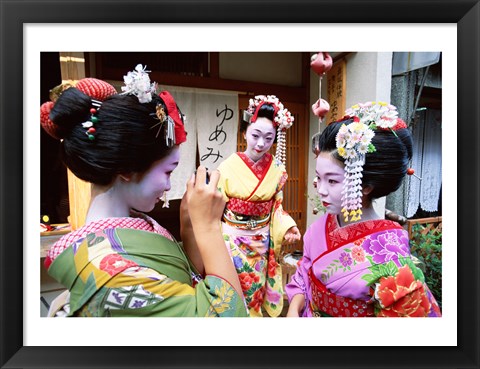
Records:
x=263, y=133
x=330, y=174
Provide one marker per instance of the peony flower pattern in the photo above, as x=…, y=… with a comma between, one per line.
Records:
x=387, y=246
x=272, y=263
x=258, y=272
x=247, y=280
x=256, y=299
x=402, y=295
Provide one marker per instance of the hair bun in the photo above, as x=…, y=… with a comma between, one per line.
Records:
x=95, y=88
x=51, y=128
x=92, y=87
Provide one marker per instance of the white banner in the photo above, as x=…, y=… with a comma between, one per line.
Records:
x=212, y=116
x=217, y=127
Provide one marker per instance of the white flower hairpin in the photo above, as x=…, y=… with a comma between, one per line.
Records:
x=138, y=83
x=354, y=141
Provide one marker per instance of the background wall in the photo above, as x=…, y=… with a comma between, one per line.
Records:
x=283, y=68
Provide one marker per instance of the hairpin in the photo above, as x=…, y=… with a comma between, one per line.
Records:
x=411, y=172
x=138, y=83
x=93, y=119
x=162, y=117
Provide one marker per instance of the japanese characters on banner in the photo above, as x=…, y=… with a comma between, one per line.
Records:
x=211, y=123
x=336, y=91
x=217, y=126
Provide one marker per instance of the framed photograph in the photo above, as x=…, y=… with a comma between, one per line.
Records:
x=36, y=342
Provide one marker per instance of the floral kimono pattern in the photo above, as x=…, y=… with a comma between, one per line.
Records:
x=123, y=272
x=362, y=269
x=253, y=192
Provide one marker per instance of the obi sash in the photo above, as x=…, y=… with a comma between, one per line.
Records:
x=252, y=208
x=326, y=303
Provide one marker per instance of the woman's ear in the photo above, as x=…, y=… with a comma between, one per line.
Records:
x=126, y=177
x=367, y=189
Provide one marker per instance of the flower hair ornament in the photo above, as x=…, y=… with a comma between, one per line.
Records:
x=354, y=141
x=137, y=83
x=283, y=120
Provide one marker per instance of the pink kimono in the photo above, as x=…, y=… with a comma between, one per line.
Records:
x=362, y=269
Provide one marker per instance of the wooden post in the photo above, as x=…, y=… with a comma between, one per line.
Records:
x=79, y=197
x=72, y=67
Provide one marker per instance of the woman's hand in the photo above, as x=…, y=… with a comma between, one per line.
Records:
x=205, y=207
x=291, y=236
x=185, y=222
x=292, y=313
x=204, y=203
x=296, y=306
x=188, y=237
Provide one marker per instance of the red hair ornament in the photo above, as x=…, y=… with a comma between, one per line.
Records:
x=174, y=113
x=92, y=87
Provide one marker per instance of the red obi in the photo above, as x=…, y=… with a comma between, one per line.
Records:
x=326, y=302
x=257, y=208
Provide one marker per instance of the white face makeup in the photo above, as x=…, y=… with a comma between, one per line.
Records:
x=142, y=193
x=260, y=137
x=330, y=175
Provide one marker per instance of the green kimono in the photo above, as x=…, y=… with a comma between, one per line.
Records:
x=120, y=272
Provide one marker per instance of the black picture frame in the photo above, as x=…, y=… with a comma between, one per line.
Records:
x=14, y=14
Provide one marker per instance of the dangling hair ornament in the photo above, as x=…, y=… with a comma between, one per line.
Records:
x=354, y=141
x=162, y=116
x=89, y=124
x=283, y=120
x=166, y=204
x=170, y=133
x=138, y=83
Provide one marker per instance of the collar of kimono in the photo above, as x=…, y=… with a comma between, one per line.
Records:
x=338, y=236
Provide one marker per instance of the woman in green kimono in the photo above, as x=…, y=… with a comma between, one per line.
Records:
x=121, y=262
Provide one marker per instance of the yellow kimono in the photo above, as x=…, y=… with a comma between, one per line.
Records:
x=254, y=225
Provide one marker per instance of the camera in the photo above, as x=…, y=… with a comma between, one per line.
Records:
x=207, y=177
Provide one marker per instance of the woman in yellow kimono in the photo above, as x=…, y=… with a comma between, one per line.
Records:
x=254, y=222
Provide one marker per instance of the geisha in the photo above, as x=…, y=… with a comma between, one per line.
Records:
x=254, y=223
x=356, y=264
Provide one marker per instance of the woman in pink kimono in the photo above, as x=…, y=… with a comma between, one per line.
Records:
x=356, y=264
x=254, y=222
